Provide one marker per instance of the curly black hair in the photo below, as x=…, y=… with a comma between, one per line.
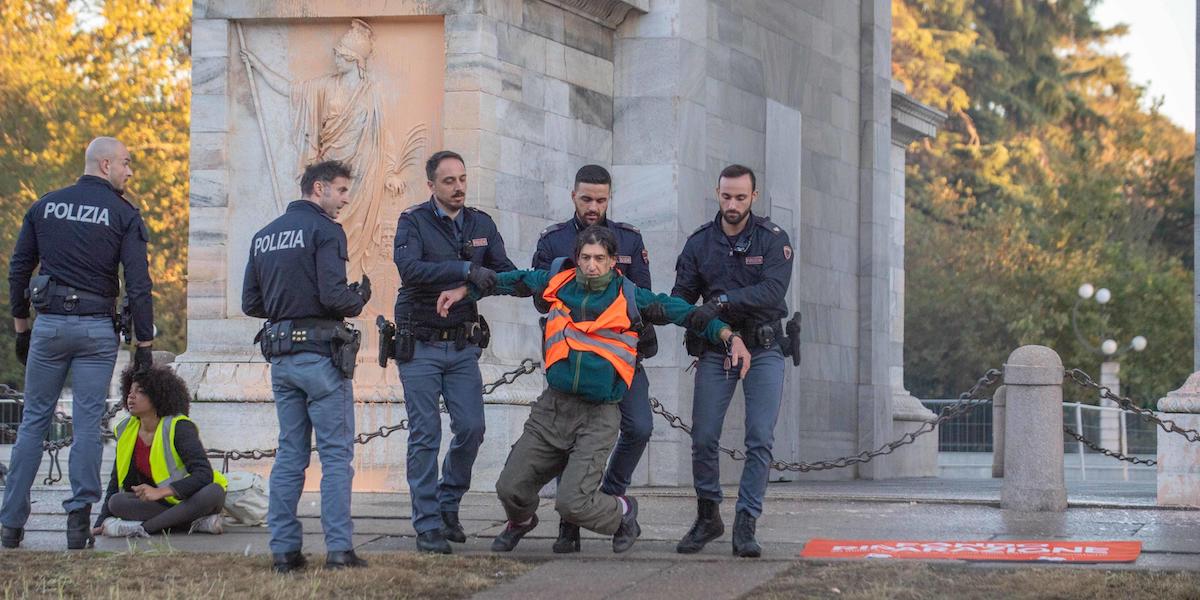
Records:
x=167, y=392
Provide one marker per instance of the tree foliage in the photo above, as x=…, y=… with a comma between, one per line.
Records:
x=1053, y=170
x=74, y=70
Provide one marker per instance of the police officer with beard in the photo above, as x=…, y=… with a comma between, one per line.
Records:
x=296, y=279
x=741, y=265
x=78, y=237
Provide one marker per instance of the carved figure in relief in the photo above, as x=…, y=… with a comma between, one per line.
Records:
x=339, y=116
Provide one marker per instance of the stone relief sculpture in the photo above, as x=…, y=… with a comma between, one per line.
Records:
x=339, y=116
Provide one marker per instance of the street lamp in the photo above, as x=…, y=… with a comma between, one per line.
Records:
x=1108, y=348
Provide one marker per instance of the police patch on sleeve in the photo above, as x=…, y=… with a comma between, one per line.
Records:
x=645, y=256
x=787, y=252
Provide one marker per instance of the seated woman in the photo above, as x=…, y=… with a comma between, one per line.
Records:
x=590, y=349
x=161, y=477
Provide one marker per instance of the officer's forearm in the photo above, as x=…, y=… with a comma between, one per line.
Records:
x=20, y=325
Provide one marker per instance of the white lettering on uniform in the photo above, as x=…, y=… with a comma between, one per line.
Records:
x=72, y=212
x=283, y=240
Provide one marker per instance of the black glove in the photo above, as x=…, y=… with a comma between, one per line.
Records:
x=482, y=278
x=23, y=345
x=362, y=288
x=699, y=318
x=655, y=314
x=143, y=359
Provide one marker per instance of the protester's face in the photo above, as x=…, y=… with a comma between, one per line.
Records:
x=449, y=184
x=117, y=168
x=735, y=195
x=594, y=260
x=137, y=402
x=591, y=202
x=332, y=196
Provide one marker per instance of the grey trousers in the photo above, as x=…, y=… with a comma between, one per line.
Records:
x=565, y=435
x=156, y=517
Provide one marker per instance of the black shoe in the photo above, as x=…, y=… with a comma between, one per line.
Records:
x=507, y=540
x=433, y=542
x=708, y=527
x=452, y=530
x=341, y=560
x=744, y=544
x=10, y=537
x=79, y=530
x=629, y=530
x=568, y=538
x=288, y=562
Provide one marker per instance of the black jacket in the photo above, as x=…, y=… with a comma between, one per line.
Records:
x=632, y=259
x=195, y=460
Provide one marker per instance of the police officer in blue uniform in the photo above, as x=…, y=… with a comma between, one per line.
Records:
x=77, y=236
x=593, y=186
x=296, y=279
x=741, y=265
x=440, y=244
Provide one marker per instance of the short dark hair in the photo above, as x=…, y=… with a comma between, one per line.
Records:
x=596, y=234
x=167, y=392
x=735, y=171
x=431, y=165
x=325, y=171
x=594, y=174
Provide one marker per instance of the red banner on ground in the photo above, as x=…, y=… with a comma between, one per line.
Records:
x=1008, y=550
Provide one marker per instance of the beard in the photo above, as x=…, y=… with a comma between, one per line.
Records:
x=733, y=217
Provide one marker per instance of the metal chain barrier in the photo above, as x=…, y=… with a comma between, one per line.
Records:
x=1084, y=380
x=1105, y=451
x=966, y=401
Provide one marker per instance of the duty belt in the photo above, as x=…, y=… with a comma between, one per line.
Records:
x=70, y=301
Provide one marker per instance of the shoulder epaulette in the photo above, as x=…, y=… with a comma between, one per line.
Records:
x=552, y=229
x=766, y=223
x=701, y=228
x=627, y=227
x=413, y=208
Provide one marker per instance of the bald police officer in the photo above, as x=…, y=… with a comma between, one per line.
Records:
x=78, y=237
x=296, y=279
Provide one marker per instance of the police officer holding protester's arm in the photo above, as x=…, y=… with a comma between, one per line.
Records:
x=741, y=265
x=591, y=194
x=296, y=279
x=77, y=237
x=441, y=244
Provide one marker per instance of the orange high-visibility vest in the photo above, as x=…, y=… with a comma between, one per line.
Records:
x=610, y=336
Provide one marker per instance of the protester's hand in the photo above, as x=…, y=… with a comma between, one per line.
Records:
x=99, y=530
x=738, y=356
x=143, y=359
x=448, y=298
x=149, y=493
x=22, y=348
x=699, y=318
x=362, y=288
x=482, y=277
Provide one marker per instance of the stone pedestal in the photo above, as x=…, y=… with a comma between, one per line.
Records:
x=1110, y=420
x=1033, y=448
x=1179, y=459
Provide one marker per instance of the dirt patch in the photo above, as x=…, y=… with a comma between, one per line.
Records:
x=920, y=581
x=167, y=574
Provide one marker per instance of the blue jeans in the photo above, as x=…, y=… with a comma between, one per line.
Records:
x=311, y=396
x=636, y=426
x=85, y=346
x=763, y=389
x=437, y=369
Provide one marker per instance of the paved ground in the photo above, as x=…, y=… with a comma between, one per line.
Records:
x=796, y=512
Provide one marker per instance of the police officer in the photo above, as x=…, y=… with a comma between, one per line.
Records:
x=441, y=244
x=741, y=265
x=296, y=279
x=593, y=186
x=77, y=236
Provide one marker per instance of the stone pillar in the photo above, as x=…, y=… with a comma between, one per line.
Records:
x=999, y=408
x=1033, y=461
x=1110, y=420
x=1179, y=459
x=911, y=121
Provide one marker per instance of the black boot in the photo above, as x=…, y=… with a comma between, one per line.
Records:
x=512, y=534
x=568, y=538
x=708, y=527
x=629, y=530
x=341, y=560
x=452, y=529
x=433, y=542
x=287, y=562
x=744, y=544
x=79, y=530
x=10, y=537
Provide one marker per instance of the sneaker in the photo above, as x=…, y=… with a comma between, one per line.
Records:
x=507, y=540
x=629, y=530
x=212, y=524
x=121, y=528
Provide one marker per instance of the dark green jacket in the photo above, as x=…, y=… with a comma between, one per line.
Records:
x=585, y=373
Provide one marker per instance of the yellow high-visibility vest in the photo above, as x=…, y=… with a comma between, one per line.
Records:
x=165, y=467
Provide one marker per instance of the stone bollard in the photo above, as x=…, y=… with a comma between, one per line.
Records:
x=998, y=406
x=1178, y=458
x=1033, y=446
